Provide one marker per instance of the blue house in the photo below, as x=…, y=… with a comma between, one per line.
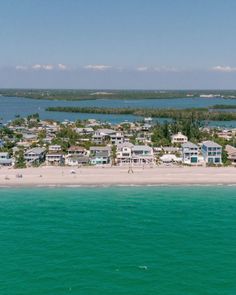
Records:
x=100, y=155
x=212, y=152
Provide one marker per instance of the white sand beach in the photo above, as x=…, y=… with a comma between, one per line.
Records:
x=88, y=176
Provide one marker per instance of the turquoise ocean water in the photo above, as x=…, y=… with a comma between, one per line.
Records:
x=129, y=241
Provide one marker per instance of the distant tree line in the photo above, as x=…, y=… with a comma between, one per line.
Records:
x=202, y=114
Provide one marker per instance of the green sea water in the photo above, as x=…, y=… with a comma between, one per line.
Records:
x=126, y=241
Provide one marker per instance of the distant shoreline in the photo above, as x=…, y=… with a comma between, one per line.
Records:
x=94, y=94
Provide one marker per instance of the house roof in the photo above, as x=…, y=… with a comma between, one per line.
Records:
x=189, y=145
x=74, y=148
x=102, y=154
x=125, y=144
x=141, y=148
x=106, y=131
x=36, y=150
x=79, y=159
x=230, y=149
x=210, y=143
x=100, y=148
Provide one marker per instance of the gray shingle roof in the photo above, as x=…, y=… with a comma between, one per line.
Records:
x=210, y=143
x=189, y=145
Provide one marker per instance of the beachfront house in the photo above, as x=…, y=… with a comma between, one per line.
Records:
x=76, y=155
x=231, y=151
x=142, y=154
x=75, y=160
x=5, y=159
x=35, y=155
x=127, y=153
x=124, y=153
x=100, y=155
x=189, y=153
x=179, y=138
x=211, y=152
x=76, y=151
x=54, y=158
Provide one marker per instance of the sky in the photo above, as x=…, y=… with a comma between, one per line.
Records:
x=130, y=44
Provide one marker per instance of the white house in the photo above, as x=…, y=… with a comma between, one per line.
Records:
x=75, y=160
x=117, y=138
x=5, y=160
x=54, y=148
x=76, y=155
x=54, y=158
x=135, y=154
x=142, y=154
x=124, y=153
x=77, y=150
x=179, y=138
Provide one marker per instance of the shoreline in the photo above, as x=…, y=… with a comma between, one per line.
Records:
x=57, y=177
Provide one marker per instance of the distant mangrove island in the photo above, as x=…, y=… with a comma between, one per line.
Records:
x=212, y=113
x=94, y=94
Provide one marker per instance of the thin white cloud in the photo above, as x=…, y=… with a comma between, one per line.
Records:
x=102, y=67
x=142, y=69
x=160, y=69
x=21, y=68
x=36, y=67
x=45, y=67
x=62, y=67
x=42, y=67
x=97, y=67
x=48, y=67
x=224, y=69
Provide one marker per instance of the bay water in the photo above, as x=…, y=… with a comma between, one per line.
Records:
x=12, y=106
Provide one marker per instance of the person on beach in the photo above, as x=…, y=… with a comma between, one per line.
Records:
x=130, y=170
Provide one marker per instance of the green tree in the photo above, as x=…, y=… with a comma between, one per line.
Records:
x=20, y=160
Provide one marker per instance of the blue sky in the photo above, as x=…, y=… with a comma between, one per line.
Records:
x=158, y=44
